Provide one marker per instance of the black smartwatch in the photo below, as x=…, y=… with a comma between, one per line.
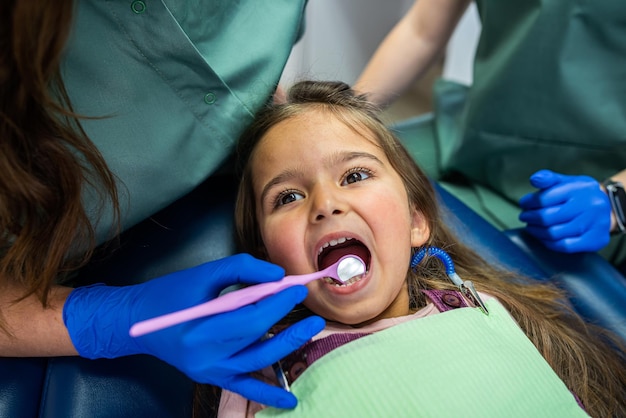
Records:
x=617, y=197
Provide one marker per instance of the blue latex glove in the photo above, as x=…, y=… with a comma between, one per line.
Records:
x=568, y=213
x=221, y=349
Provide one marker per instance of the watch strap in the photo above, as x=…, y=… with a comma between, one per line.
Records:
x=617, y=196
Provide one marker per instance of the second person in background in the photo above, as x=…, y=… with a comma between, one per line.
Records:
x=529, y=133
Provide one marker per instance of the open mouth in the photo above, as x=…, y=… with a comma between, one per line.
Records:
x=334, y=250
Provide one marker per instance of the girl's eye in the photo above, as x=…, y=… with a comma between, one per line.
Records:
x=287, y=197
x=357, y=174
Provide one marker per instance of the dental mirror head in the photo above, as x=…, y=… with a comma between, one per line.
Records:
x=347, y=267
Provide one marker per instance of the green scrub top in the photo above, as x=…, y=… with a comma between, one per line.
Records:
x=170, y=86
x=549, y=91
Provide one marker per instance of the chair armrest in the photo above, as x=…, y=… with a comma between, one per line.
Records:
x=133, y=386
x=21, y=383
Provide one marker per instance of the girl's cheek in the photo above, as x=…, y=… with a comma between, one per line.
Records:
x=270, y=243
x=281, y=243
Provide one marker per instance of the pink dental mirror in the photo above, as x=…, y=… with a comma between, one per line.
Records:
x=344, y=269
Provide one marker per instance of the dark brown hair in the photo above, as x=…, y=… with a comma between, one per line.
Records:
x=46, y=159
x=581, y=354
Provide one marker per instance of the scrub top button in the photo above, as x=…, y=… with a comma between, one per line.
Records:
x=138, y=7
x=451, y=300
x=210, y=98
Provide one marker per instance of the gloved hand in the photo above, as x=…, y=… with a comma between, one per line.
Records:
x=568, y=214
x=221, y=349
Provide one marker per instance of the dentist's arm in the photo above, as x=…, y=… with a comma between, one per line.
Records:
x=31, y=329
x=410, y=49
x=222, y=350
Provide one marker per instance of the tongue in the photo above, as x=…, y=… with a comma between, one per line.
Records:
x=332, y=255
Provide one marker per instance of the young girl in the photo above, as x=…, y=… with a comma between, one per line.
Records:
x=322, y=178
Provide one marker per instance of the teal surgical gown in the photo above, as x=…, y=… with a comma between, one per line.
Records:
x=169, y=86
x=549, y=92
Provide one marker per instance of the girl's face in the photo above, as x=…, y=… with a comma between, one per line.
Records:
x=323, y=191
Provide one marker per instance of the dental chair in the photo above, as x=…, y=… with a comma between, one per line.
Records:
x=198, y=228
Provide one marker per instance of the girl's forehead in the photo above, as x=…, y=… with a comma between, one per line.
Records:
x=308, y=143
x=315, y=131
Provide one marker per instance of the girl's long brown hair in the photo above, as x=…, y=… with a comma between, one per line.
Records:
x=587, y=358
x=46, y=159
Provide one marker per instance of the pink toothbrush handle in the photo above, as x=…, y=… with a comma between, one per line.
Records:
x=228, y=302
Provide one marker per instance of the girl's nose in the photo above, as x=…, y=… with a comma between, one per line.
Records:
x=326, y=202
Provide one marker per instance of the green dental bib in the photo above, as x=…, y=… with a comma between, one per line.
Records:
x=460, y=363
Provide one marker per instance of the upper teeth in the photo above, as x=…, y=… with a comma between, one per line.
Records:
x=332, y=243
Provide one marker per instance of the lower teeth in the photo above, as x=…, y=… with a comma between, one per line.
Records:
x=350, y=281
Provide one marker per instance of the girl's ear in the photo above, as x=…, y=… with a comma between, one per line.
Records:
x=420, y=231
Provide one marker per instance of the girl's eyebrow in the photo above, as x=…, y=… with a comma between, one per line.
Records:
x=341, y=157
x=280, y=178
x=344, y=157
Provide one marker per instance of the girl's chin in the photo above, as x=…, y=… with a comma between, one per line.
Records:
x=349, y=315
